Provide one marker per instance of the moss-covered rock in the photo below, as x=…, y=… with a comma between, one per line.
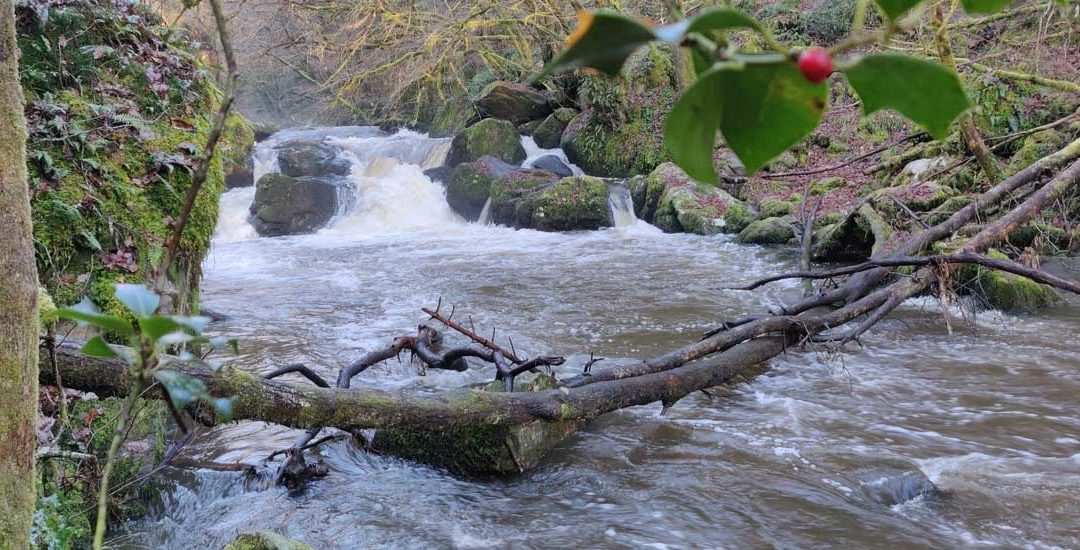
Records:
x=489, y=137
x=769, y=231
x=513, y=196
x=285, y=205
x=481, y=449
x=576, y=203
x=1035, y=147
x=516, y=103
x=823, y=186
x=946, y=209
x=469, y=185
x=919, y=197
x=1005, y=291
x=549, y=133
x=237, y=141
x=620, y=132
x=310, y=158
x=773, y=208
x=676, y=203
x=452, y=116
x=266, y=540
x=111, y=147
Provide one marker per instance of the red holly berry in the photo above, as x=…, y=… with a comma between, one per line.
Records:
x=815, y=64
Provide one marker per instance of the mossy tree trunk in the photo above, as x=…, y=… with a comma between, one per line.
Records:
x=18, y=304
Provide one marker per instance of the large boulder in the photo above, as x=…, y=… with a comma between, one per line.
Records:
x=676, y=203
x=513, y=196
x=241, y=175
x=452, y=116
x=489, y=137
x=620, y=131
x=310, y=158
x=516, y=103
x=549, y=133
x=553, y=164
x=469, y=185
x=286, y=205
x=576, y=203
x=919, y=196
x=769, y=231
x=472, y=184
x=237, y=142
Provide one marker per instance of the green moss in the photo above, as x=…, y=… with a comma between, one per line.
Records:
x=768, y=231
x=481, y=449
x=572, y=203
x=265, y=540
x=1005, y=291
x=111, y=155
x=738, y=217
x=823, y=186
x=771, y=208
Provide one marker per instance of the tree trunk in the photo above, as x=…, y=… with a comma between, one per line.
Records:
x=18, y=304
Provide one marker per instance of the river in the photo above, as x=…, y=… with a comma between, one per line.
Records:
x=801, y=457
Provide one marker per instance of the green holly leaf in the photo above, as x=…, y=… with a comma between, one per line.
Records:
x=96, y=347
x=985, y=6
x=897, y=8
x=925, y=92
x=157, y=326
x=138, y=298
x=603, y=41
x=718, y=19
x=86, y=313
x=183, y=389
x=760, y=108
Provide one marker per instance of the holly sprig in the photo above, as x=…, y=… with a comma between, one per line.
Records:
x=764, y=103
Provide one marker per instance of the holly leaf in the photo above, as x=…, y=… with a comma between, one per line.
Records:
x=923, y=91
x=719, y=19
x=985, y=6
x=96, y=347
x=761, y=109
x=142, y=301
x=183, y=389
x=603, y=40
x=897, y=8
x=86, y=313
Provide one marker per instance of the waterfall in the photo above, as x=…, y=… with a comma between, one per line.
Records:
x=485, y=213
x=533, y=152
x=621, y=206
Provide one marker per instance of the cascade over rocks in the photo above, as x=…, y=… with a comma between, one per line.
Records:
x=549, y=133
x=514, y=102
x=553, y=164
x=286, y=205
x=310, y=158
x=489, y=137
x=674, y=202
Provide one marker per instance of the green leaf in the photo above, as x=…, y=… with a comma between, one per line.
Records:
x=925, y=92
x=985, y=6
x=142, y=301
x=223, y=407
x=760, y=108
x=86, y=313
x=897, y=8
x=197, y=323
x=603, y=41
x=690, y=129
x=719, y=19
x=158, y=326
x=96, y=347
x=183, y=389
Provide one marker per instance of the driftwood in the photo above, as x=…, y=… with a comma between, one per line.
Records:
x=722, y=355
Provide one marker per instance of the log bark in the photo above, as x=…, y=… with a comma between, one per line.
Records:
x=18, y=294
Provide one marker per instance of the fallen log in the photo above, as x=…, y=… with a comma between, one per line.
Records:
x=414, y=421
